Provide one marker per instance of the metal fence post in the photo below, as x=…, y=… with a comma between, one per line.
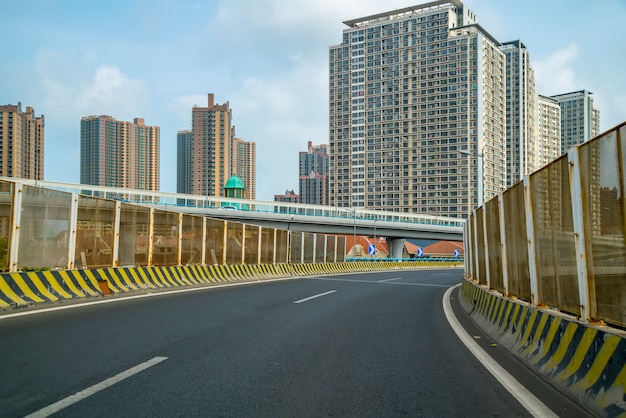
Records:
x=531, y=244
x=503, y=248
x=16, y=218
x=116, y=233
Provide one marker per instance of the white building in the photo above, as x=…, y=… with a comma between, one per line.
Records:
x=580, y=121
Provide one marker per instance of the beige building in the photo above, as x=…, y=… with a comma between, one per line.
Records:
x=410, y=89
x=119, y=154
x=21, y=142
x=243, y=164
x=548, y=131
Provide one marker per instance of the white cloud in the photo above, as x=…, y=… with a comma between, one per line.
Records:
x=555, y=73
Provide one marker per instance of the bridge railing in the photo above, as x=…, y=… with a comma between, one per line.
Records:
x=45, y=228
x=556, y=239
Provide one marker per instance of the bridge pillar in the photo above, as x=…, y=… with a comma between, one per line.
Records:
x=396, y=247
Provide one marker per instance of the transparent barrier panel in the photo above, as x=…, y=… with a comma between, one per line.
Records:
x=191, y=242
x=320, y=248
x=308, y=247
x=44, y=228
x=516, y=242
x=282, y=246
x=492, y=213
x=6, y=210
x=603, y=215
x=330, y=248
x=555, y=253
x=341, y=249
x=267, y=245
x=214, y=249
x=296, y=247
x=165, y=239
x=134, y=235
x=94, y=232
x=234, y=239
x=251, y=253
x=480, y=246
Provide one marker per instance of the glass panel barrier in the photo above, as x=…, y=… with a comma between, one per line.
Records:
x=492, y=213
x=267, y=245
x=320, y=248
x=134, y=235
x=234, y=238
x=94, y=232
x=330, y=248
x=6, y=216
x=296, y=247
x=214, y=242
x=282, y=245
x=341, y=249
x=480, y=246
x=251, y=244
x=604, y=220
x=308, y=247
x=165, y=238
x=191, y=242
x=44, y=229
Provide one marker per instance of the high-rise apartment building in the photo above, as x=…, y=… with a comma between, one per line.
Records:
x=206, y=164
x=521, y=112
x=409, y=89
x=548, y=131
x=243, y=164
x=580, y=120
x=313, y=174
x=21, y=142
x=290, y=197
x=119, y=154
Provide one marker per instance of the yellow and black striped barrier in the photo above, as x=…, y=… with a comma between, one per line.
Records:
x=587, y=361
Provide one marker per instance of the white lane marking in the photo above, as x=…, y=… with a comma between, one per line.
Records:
x=529, y=401
x=376, y=282
x=147, y=295
x=79, y=396
x=389, y=280
x=315, y=296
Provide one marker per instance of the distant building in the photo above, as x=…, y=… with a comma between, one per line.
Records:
x=313, y=174
x=580, y=120
x=290, y=197
x=548, y=131
x=119, y=154
x=521, y=112
x=243, y=163
x=21, y=142
x=209, y=154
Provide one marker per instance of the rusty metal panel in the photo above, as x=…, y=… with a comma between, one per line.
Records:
x=492, y=224
x=479, y=234
x=517, y=242
x=603, y=218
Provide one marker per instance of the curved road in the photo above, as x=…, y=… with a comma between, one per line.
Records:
x=358, y=345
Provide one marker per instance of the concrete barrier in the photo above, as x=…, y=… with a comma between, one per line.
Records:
x=585, y=361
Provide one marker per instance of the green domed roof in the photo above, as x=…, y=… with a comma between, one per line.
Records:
x=234, y=183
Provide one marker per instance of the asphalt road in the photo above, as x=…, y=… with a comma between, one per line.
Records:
x=360, y=345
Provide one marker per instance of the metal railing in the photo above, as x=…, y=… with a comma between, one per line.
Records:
x=556, y=239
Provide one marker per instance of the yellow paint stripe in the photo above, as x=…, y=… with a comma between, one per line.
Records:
x=540, y=326
x=84, y=285
x=55, y=284
x=562, y=348
x=214, y=276
x=507, y=314
x=579, y=354
x=101, y=275
x=599, y=363
x=31, y=277
x=8, y=292
x=554, y=327
x=190, y=274
x=617, y=390
x=127, y=280
x=91, y=278
x=150, y=271
x=175, y=273
x=117, y=280
x=164, y=276
x=529, y=328
x=69, y=282
x=139, y=276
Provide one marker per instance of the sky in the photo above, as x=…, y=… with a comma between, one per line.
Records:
x=156, y=59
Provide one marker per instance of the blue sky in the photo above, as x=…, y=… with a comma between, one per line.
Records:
x=156, y=59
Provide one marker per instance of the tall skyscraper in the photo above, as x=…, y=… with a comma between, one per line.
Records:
x=521, y=113
x=313, y=174
x=580, y=120
x=21, y=142
x=409, y=89
x=207, y=159
x=548, y=131
x=244, y=164
x=119, y=154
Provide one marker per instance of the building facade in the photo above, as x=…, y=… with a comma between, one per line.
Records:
x=119, y=154
x=580, y=120
x=548, y=131
x=243, y=163
x=21, y=142
x=313, y=170
x=184, y=160
x=521, y=113
x=290, y=196
x=409, y=89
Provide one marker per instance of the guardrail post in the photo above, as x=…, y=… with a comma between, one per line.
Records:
x=203, y=255
x=259, y=245
x=486, y=243
x=73, y=226
x=150, y=236
x=179, y=239
x=531, y=244
x=116, y=233
x=16, y=218
x=573, y=157
x=503, y=248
